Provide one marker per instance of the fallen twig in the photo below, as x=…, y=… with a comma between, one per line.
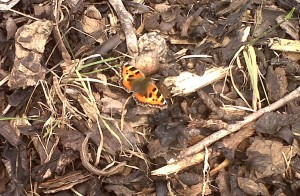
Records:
x=235, y=127
x=126, y=22
x=185, y=159
x=232, y=142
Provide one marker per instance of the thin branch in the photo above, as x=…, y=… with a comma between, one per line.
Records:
x=126, y=22
x=235, y=127
x=193, y=155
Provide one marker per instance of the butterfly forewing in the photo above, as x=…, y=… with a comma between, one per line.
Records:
x=128, y=74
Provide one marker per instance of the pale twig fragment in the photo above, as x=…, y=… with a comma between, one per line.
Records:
x=231, y=143
x=187, y=83
x=126, y=22
x=193, y=154
x=235, y=127
x=284, y=45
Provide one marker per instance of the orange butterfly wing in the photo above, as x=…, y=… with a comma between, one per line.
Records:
x=128, y=74
x=153, y=98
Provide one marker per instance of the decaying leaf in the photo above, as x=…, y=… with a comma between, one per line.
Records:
x=30, y=45
x=271, y=122
x=268, y=158
x=152, y=53
x=94, y=24
x=251, y=187
x=6, y=5
x=291, y=28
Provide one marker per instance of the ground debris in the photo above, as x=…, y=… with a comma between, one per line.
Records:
x=264, y=159
x=121, y=97
x=30, y=45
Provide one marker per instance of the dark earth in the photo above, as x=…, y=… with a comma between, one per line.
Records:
x=229, y=71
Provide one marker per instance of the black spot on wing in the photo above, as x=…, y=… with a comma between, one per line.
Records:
x=150, y=95
x=158, y=94
x=132, y=69
x=137, y=71
x=126, y=65
x=154, y=89
x=130, y=76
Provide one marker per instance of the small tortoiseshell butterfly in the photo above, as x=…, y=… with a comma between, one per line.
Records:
x=144, y=90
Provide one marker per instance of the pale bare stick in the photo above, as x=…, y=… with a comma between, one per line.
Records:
x=126, y=22
x=232, y=142
x=235, y=127
x=197, y=158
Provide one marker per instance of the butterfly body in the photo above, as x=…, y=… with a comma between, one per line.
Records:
x=144, y=90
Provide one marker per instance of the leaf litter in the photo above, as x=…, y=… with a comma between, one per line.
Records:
x=229, y=71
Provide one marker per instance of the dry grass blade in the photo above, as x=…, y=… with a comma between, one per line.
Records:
x=238, y=61
x=250, y=59
x=64, y=100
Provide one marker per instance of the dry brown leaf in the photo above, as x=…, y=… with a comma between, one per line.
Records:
x=30, y=45
x=93, y=23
